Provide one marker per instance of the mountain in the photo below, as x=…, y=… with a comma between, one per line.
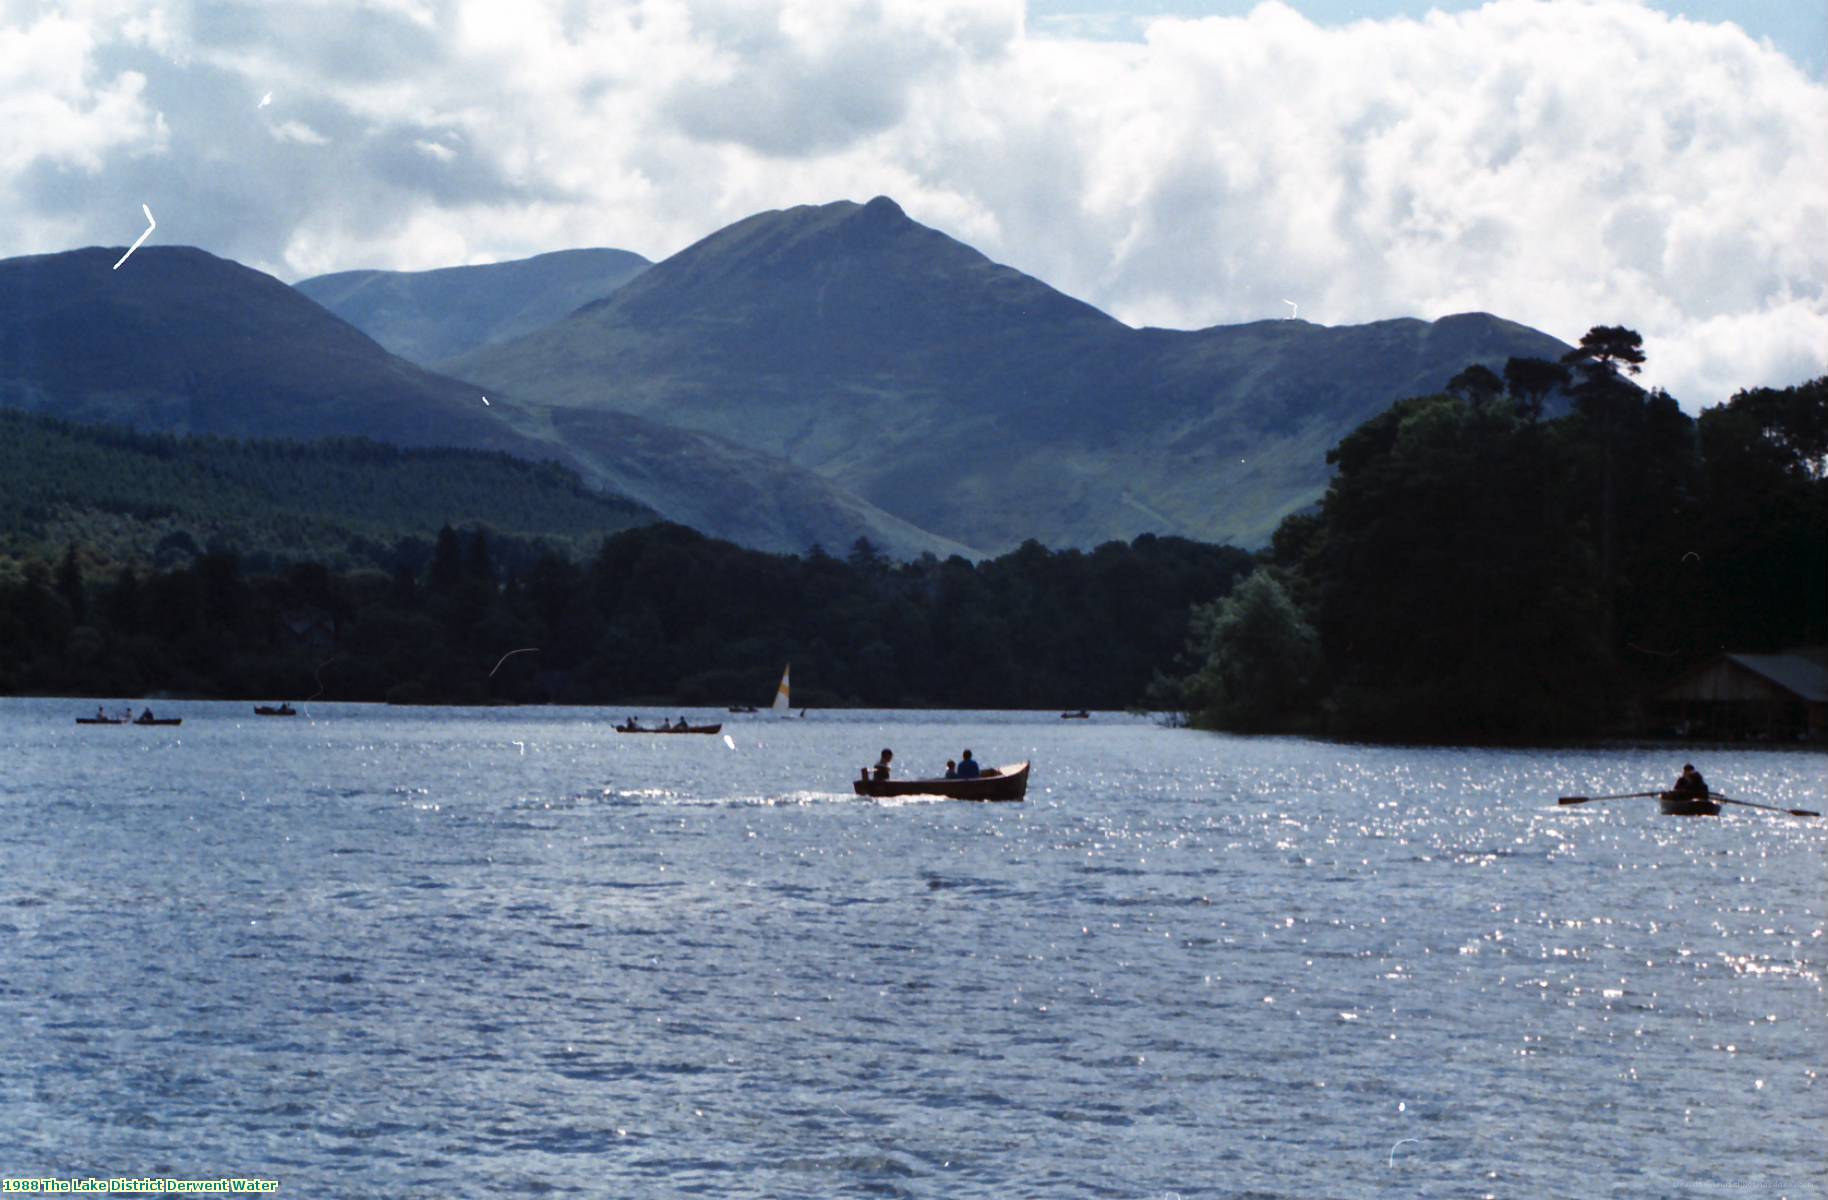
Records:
x=180, y=341
x=428, y=316
x=974, y=400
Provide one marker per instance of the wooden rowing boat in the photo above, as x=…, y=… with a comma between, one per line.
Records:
x=670, y=729
x=1081, y=715
x=267, y=710
x=1678, y=804
x=127, y=721
x=1008, y=783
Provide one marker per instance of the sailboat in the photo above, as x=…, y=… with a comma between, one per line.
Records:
x=783, y=705
x=780, y=704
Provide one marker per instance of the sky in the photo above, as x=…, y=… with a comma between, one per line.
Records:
x=1798, y=28
x=1174, y=162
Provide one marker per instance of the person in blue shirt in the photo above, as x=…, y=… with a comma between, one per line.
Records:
x=967, y=766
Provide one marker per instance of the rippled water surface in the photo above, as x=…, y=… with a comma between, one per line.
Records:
x=498, y=952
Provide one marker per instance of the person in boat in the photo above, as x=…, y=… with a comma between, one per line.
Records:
x=682, y=724
x=881, y=770
x=1690, y=783
x=967, y=766
x=951, y=769
x=146, y=717
x=99, y=714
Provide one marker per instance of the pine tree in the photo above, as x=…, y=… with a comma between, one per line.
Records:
x=70, y=585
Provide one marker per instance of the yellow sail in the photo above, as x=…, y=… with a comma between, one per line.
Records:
x=780, y=693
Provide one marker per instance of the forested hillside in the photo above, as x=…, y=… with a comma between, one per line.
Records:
x=129, y=497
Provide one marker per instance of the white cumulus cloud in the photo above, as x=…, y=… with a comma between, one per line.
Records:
x=57, y=107
x=1562, y=164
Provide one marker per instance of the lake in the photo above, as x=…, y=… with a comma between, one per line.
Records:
x=497, y=952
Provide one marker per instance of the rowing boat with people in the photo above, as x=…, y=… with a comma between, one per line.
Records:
x=633, y=728
x=145, y=718
x=996, y=783
x=1682, y=804
x=1691, y=804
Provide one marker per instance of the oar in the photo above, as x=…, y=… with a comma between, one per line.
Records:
x=1795, y=812
x=1620, y=796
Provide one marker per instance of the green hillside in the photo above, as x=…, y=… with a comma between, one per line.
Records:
x=146, y=497
x=429, y=316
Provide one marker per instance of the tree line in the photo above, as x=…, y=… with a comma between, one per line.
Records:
x=1478, y=572
x=658, y=614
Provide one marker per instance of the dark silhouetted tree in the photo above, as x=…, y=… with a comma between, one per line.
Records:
x=477, y=564
x=70, y=584
x=1530, y=381
x=1476, y=384
x=1609, y=403
x=1261, y=659
x=446, y=571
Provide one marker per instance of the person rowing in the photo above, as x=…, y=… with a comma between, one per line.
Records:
x=1689, y=784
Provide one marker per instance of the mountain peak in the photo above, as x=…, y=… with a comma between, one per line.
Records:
x=148, y=267
x=841, y=227
x=881, y=207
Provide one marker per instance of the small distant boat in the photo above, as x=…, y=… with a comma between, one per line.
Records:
x=267, y=710
x=1081, y=715
x=742, y=708
x=142, y=719
x=1677, y=804
x=1001, y=783
x=632, y=728
x=781, y=704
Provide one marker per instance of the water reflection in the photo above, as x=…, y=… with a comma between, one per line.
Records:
x=392, y=940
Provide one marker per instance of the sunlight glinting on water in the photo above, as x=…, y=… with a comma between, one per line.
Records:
x=508, y=946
